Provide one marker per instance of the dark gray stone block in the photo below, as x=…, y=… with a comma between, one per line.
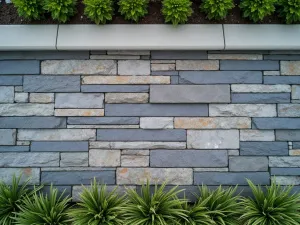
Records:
x=282, y=57
x=264, y=148
x=78, y=177
x=188, y=158
x=164, y=73
x=249, y=65
x=14, y=148
x=156, y=110
x=20, y=67
x=285, y=171
x=174, y=80
x=51, y=83
x=140, y=135
x=281, y=79
x=59, y=146
x=115, y=88
x=244, y=163
x=43, y=55
x=287, y=135
x=225, y=178
x=220, y=77
x=296, y=145
x=33, y=122
x=178, y=55
x=11, y=80
x=104, y=120
x=276, y=123
x=261, y=98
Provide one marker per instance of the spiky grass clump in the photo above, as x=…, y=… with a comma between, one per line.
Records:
x=276, y=206
x=98, y=206
x=159, y=208
x=43, y=209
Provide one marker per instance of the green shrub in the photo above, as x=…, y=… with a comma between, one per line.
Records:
x=99, y=11
x=98, y=206
x=61, y=10
x=29, y=9
x=43, y=209
x=11, y=199
x=276, y=206
x=290, y=10
x=257, y=10
x=177, y=11
x=216, y=9
x=159, y=208
x=133, y=9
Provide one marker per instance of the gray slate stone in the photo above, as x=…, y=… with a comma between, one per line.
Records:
x=33, y=122
x=282, y=57
x=282, y=80
x=286, y=161
x=220, y=77
x=20, y=67
x=156, y=110
x=140, y=135
x=79, y=100
x=164, y=73
x=242, y=163
x=285, y=171
x=7, y=137
x=29, y=159
x=249, y=65
x=287, y=135
x=178, y=55
x=264, y=148
x=189, y=94
x=261, y=98
x=276, y=123
x=288, y=110
x=296, y=145
x=78, y=177
x=51, y=84
x=188, y=158
x=7, y=94
x=104, y=120
x=14, y=148
x=224, y=178
x=59, y=146
x=11, y=80
x=42, y=55
x=174, y=79
x=115, y=88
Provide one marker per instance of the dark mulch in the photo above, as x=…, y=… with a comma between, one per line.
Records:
x=8, y=15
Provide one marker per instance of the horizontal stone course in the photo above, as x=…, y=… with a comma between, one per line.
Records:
x=59, y=146
x=74, y=159
x=197, y=65
x=156, y=122
x=289, y=110
x=29, y=159
x=134, y=67
x=290, y=68
x=261, y=98
x=276, y=123
x=33, y=122
x=126, y=98
x=104, y=120
x=104, y=158
x=291, y=161
x=260, y=88
x=248, y=65
x=255, y=148
x=79, y=112
x=282, y=80
x=285, y=171
x=11, y=80
x=126, y=80
x=138, y=145
x=19, y=67
x=242, y=163
x=115, y=88
x=287, y=135
x=79, y=100
x=14, y=148
x=178, y=55
x=257, y=135
x=26, y=109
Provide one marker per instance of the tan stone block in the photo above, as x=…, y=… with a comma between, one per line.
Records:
x=197, y=65
x=126, y=80
x=290, y=67
x=41, y=97
x=104, y=158
x=135, y=152
x=134, y=161
x=162, y=67
x=294, y=152
x=126, y=97
x=79, y=112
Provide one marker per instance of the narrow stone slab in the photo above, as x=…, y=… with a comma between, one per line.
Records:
x=220, y=77
x=156, y=122
x=266, y=148
x=11, y=80
x=282, y=80
x=74, y=159
x=140, y=135
x=257, y=135
x=115, y=88
x=43, y=55
x=6, y=175
x=285, y=171
x=138, y=145
x=26, y=109
x=282, y=57
x=197, y=65
x=126, y=80
x=261, y=98
x=257, y=88
x=276, y=123
x=59, y=146
x=140, y=37
x=276, y=37
x=188, y=158
x=287, y=135
x=28, y=37
x=29, y=159
x=189, y=94
x=79, y=100
x=104, y=120
x=241, y=163
x=178, y=55
x=33, y=122
x=288, y=161
x=14, y=148
x=20, y=67
x=248, y=65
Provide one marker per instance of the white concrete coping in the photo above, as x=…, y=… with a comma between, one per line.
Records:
x=28, y=37
x=262, y=37
x=140, y=37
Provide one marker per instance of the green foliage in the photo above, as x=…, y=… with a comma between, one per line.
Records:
x=277, y=206
x=159, y=208
x=99, y=11
x=29, y=9
x=133, y=9
x=61, y=10
x=257, y=10
x=98, y=206
x=11, y=199
x=290, y=10
x=177, y=11
x=216, y=9
x=43, y=209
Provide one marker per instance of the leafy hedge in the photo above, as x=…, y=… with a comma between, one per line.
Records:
x=276, y=205
x=174, y=11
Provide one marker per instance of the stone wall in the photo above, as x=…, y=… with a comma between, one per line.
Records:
x=189, y=117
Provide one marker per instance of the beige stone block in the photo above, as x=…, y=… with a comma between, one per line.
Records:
x=104, y=158
x=197, y=65
x=79, y=112
x=126, y=97
x=134, y=161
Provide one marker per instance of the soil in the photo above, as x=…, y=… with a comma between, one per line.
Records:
x=9, y=15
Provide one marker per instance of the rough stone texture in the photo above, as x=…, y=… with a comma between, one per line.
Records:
x=104, y=158
x=139, y=145
x=287, y=180
x=296, y=92
x=257, y=135
x=272, y=73
x=59, y=146
x=291, y=161
x=213, y=139
x=6, y=175
x=261, y=98
x=134, y=161
x=7, y=137
x=115, y=88
x=296, y=145
x=189, y=94
x=6, y=94
x=19, y=67
x=11, y=80
x=188, y=158
x=136, y=152
x=248, y=65
x=126, y=80
x=21, y=97
x=287, y=135
x=162, y=67
x=236, y=56
x=282, y=80
x=74, y=159
x=156, y=122
x=276, y=123
x=134, y=67
x=289, y=110
x=104, y=120
x=290, y=68
x=164, y=73
x=264, y=148
x=197, y=65
x=79, y=100
x=285, y=171
x=126, y=98
x=241, y=163
x=25, y=109
x=29, y=159
x=41, y=97
x=260, y=88
x=56, y=67
x=79, y=112
x=178, y=55
x=33, y=122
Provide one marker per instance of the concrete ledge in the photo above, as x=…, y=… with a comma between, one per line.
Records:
x=28, y=37
x=262, y=37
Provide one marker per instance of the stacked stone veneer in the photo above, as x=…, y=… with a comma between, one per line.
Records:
x=122, y=116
